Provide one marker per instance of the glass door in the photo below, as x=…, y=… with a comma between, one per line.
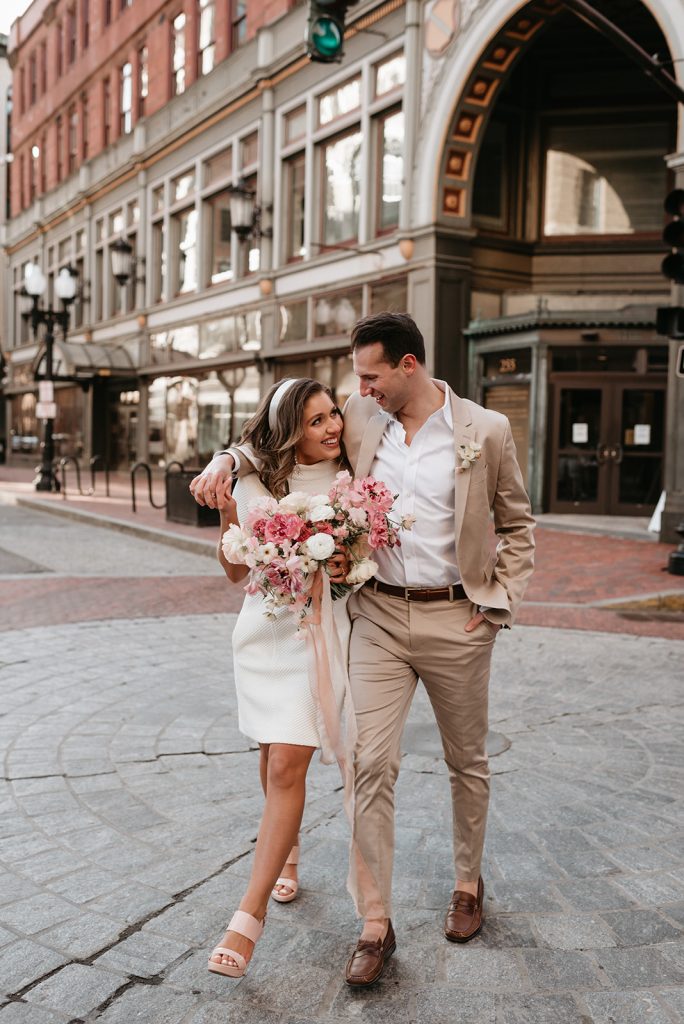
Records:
x=578, y=482
x=639, y=434
x=608, y=448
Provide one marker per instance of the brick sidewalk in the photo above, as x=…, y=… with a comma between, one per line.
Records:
x=574, y=573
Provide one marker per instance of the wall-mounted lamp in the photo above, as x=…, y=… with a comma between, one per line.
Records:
x=124, y=263
x=245, y=215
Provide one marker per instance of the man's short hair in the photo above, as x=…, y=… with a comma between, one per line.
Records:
x=397, y=333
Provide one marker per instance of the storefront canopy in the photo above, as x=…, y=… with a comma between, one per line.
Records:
x=72, y=360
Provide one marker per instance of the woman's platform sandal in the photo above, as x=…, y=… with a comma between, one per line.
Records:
x=289, y=883
x=243, y=924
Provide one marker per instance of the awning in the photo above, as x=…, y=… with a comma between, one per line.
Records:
x=83, y=361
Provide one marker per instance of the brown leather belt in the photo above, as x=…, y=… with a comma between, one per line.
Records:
x=455, y=592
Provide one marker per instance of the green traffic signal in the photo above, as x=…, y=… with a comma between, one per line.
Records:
x=325, y=39
x=325, y=30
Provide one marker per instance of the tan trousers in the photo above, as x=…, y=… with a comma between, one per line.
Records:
x=393, y=642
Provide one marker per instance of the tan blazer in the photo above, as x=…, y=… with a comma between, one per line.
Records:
x=493, y=484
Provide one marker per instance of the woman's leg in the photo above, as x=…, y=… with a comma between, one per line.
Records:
x=289, y=870
x=286, y=768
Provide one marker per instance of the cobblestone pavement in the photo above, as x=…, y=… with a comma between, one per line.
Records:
x=130, y=805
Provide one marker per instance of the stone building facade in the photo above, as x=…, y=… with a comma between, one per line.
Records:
x=495, y=167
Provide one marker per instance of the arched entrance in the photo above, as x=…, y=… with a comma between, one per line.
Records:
x=548, y=205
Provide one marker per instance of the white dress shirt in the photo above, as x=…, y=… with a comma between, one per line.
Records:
x=423, y=474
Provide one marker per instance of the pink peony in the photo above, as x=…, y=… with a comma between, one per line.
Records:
x=283, y=526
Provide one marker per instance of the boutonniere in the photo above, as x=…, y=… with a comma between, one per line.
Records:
x=468, y=454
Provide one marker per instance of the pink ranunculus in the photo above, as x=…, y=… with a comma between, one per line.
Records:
x=325, y=528
x=283, y=526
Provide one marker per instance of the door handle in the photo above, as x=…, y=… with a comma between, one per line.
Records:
x=603, y=453
x=616, y=453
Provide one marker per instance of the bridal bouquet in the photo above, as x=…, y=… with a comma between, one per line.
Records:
x=284, y=543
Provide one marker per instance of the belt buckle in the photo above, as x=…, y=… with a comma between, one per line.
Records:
x=416, y=594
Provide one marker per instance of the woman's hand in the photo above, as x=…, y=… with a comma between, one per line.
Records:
x=337, y=567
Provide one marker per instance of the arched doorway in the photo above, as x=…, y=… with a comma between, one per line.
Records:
x=549, y=207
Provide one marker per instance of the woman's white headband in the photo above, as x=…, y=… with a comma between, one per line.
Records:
x=277, y=399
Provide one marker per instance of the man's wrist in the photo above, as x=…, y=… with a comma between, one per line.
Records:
x=234, y=456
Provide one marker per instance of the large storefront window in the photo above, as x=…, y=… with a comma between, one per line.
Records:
x=336, y=314
x=26, y=430
x=605, y=179
x=190, y=418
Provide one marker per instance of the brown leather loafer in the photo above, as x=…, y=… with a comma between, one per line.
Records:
x=464, y=916
x=368, y=959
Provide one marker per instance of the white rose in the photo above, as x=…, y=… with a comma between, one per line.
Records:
x=314, y=500
x=321, y=546
x=319, y=513
x=358, y=516
x=362, y=571
x=296, y=501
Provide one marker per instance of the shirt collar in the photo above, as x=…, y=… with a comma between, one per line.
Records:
x=444, y=410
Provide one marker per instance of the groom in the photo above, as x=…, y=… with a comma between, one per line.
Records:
x=433, y=609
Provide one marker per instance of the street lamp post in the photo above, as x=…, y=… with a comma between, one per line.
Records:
x=65, y=289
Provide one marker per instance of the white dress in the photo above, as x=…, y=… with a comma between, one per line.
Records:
x=275, y=704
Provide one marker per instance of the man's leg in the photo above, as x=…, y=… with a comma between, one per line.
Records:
x=455, y=666
x=382, y=685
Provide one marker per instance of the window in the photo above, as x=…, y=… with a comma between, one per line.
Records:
x=22, y=90
x=295, y=125
x=389, y=296
x=219, y=236
x=59, y=49
x=238, y=23
x=390, y=170
x=43, y=68
x=184, y=228
x=123, y=4
x=206, y=56
x=218, y=167
x=182, y=186
x=73, y=139
x=143, y=80
x=249, y=150
x=106, y=112
x=605, y=179
x=33, y=78
x=158, y=261
x=178, y=55
x=339, y=102
x=71, y=35
x=493, y=179
x=217, y=228
x=341, y=188
x=85, y=127
x=390, y=74
x=59, y=143
x=85, y=23
x=293, y=321
x=33, y=169
x=107, y=12
x=126, y=98
x=337, y=314
x=43, y=162
x=295, y=186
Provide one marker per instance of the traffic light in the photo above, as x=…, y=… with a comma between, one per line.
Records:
x=673, y=236
x=325, y=30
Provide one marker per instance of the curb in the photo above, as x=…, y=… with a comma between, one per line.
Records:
x=175, y=540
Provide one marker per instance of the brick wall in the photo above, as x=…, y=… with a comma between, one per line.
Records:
x=43, y=30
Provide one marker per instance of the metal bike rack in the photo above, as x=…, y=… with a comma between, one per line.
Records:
x=105, y=466
x=63, y=463
x=148, y=473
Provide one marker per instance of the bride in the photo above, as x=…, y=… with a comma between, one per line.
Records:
x=296, y=435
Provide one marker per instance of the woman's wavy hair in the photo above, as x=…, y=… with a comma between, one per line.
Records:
x=276, y=448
